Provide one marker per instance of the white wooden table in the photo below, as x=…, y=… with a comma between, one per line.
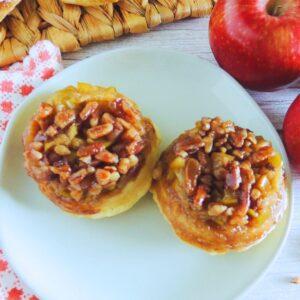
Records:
x=191, y=36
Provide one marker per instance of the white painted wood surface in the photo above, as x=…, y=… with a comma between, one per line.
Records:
x=191, y=36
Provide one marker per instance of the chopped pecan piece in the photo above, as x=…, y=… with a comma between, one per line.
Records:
x=262, y=154
x=215, y=123
x=221, y=141
x=110, y=186
x=246, y=185
x=200, y=196
x=135, y=147
x=94, y=121
x=114, y=176
x=107, y=157
x=204, y=124
x=215, y=209
x=131, y=134
x=108, y=118
x=87, y=111
x=238, y=137
x=64, y=118
x=77, y=177
x=188, y=144
x=75, y=194
x=111, y=169
x=133, y=159
x=100, y=131
x=86, y=159
x=261, y=143
x=103, y=176
x=95, y=189
x=124, y=165
x=77, y=142
x=45, y=110
x=208, y=143
x=124, y=123
x=191, y=173
x=62, y=150
x=262, y=182
x=51, y=131
x=251, y=137
x=116, y=133
x=233, y=176
x=35, y=155
x=72, y=131
x=228, y=126
x=62, y=139
x=38, y=146
x=91, y=149
x=125, y=110
x=255, y=194
x=229, y=211
x=63, y=170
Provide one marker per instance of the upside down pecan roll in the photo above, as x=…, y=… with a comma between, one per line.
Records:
x=220, y=186
x=91, y=150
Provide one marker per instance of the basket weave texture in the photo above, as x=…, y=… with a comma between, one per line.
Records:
x=72, y=26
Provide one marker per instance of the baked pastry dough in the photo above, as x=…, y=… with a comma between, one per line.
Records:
x=221, y=187
x=91, y=150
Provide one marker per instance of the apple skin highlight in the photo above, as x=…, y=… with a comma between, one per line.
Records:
x=257, y=41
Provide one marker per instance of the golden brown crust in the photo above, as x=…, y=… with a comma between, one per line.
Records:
x=214, y=197
x=89, y=148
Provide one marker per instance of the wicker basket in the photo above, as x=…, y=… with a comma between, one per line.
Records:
x=71, y=26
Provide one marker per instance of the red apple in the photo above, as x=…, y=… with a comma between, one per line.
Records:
x=291, y=133
x=257, y=41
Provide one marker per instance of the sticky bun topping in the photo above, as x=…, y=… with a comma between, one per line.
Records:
x=86, y=140
x=225, y=171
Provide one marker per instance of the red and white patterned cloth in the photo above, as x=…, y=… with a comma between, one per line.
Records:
x=16, y=82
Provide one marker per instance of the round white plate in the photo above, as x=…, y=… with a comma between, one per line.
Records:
x=134, y=255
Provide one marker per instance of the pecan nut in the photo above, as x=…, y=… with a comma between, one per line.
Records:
x=100, y=131
x=191, y=173
x=77, y=177
x=45, y=110
x=262, y=154
x=87, y=111
x=233, y=177
x=91, y=149
x=107, y=157
x=64, y=118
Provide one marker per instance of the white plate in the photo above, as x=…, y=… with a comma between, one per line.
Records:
x=134, y=255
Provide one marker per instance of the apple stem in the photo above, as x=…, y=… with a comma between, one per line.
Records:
x=277, y=8
x=274, y=7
